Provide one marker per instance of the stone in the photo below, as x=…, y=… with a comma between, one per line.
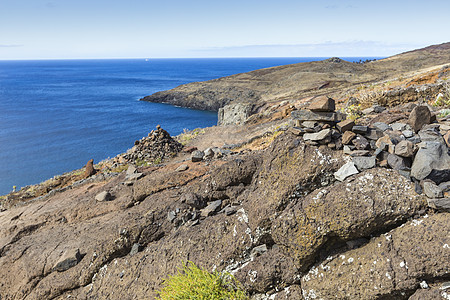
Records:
x=309, y=124
x=296, y=131
x=399, y=126
x=360, y=129
x=381, y=126
x=439, y=176
x=360, y=143
x=347, y=137
x=364, y=162
x=131, y=170
x=189, y=149
x=385, y=143
x=430, y=156
x=345, y=171
x=408, y=133
x=208, y=153
x=69, y=259
x=197, y=156
x=211, y=208
x=307, y=115
x=405, y=149
x=135, y=249
x=397, y=162
x=345, y=125
x=445, y=186
x=431, y=189
x=193, y=200
x=103, y=196
x=182, y=168
x=258, y=251
x=322, y=103
x=134, y=176
x=89, y=169
x=378, y=109
x=440, y=203
x=359, y=153
x=230, y=210
x=373, y=134
x=368, y=111
x=430, y=133
x=418, y=117
x=319, y=136
x=171, y=215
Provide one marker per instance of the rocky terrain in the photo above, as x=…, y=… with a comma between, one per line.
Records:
x=336, y=188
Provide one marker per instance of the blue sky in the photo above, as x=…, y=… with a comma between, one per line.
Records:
x=60, y=29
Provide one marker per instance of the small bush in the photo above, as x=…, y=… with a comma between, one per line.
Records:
x=191, y=282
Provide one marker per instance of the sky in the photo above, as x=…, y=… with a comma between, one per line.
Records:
x=81, y=29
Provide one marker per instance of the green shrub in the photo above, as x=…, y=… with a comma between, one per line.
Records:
x=192, y=282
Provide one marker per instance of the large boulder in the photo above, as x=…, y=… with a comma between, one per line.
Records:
x=391, y=266
x=234, y=114
x=430, y=156
x=372, y=200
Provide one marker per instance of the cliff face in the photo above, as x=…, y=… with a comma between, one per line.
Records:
x=294, y=205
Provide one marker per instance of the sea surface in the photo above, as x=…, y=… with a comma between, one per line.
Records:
x=55, y=115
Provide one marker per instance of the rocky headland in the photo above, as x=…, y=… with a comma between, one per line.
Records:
x=323, y=180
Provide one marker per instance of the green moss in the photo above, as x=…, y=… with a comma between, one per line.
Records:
x=192, y=282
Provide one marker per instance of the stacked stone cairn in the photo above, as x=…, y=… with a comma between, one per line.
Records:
x=156, y=147
x=418, y=149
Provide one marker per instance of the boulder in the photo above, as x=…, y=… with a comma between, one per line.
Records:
x=432, y=190
x=430, y=156
x=345, y=171
x=398, y=163
x=360, y=129
x=360, y=143
x=391, y=266
x=381, y=126
x=419, y=116
x=322, y=103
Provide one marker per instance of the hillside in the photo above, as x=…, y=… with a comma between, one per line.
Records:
x=341, y=196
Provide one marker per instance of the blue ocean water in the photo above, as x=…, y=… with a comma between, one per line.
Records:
x=56, y=115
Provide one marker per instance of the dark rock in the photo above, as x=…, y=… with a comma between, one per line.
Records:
x=345, y=125
x=419, y=116
x=322, y=103
x=399, y=126
x=360, y=129
x=359, y=153
x=398, y=163
x=69, y=259
x=307, y=115
x=439, y=176
x=211, y=208
x=364, y=162
x=430, y=133
x=378, y=109
x=197, y=156
x=360, y=143
x=430, y=156
x=381, y=126
x=440, y=204
x=431, y=190
x=193, y=200
x=374, y=134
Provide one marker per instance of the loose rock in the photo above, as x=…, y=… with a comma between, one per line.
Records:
x=419, y=116
x=103, y=196
x=68, y=260
x=345, y=171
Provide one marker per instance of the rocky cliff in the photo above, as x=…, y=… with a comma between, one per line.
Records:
x=310, y=199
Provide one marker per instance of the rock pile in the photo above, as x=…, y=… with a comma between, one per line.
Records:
x=418, y=149
x=157, y=146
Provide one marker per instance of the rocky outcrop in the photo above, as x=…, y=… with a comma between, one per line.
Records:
x=234, y=114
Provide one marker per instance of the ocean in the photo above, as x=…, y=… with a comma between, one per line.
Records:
x=55, y=115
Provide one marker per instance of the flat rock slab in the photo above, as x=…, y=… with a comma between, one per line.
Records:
x=322, y=103
x=364, y=162
x=318, y=136
x=211, y=208
x=307, y=115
